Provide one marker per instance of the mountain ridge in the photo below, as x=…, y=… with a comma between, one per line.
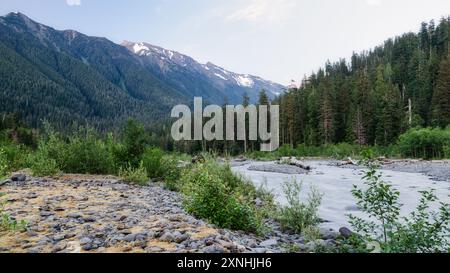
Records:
x=72, y=77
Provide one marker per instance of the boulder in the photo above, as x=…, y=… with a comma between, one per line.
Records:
x=19, y=177
x=345, y=232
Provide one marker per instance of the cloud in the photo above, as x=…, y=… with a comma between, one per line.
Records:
x=73, y=2
x=271, y=11
x=374, y=3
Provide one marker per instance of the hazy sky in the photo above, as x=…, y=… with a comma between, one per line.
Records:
x=277, y=39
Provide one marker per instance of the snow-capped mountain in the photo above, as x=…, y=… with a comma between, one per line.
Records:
x=208, y=79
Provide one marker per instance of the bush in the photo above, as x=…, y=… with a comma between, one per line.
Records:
x=134, y=175
x=298, y=216
x=4, y=168
x=171, y=172
x=212, y=192
x=42, y=165
x=425, y=143
x=15, y=155
x=152, y=160
x=86, y=153
x=8, y=223
x=130, y=151
x=422, y=232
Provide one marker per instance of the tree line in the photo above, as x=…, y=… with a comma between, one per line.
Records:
x=377, y=96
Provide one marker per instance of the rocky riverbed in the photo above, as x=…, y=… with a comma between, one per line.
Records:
x=80, y=213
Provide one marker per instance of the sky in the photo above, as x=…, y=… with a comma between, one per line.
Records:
x=280, y=40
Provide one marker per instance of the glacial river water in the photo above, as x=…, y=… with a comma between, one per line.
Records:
x=336, y=185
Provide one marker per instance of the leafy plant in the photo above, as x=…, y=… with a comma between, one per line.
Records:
x=212, y=192
x=8, y=223
x=298, y=216
x=4, y=169
x=42, y=165
x=171, y=172
x=425, y=143
x=153, y=160
x=423, y=231
x=134, y=175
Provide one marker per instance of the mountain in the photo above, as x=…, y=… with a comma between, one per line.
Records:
x=196, y=79
x=67, y=77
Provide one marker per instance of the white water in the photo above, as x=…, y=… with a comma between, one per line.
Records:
x=336, y=185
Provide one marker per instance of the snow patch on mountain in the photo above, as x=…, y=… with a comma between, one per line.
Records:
x=244, y=80
x=220, y=76
x=140, y=47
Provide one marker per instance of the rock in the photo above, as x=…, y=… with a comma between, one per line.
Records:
x=167, y=237
x=59, y=247
x=5, y=182
x=59, y=237
x=31, y=233
x=213, y=249
x=89, y=247
x=269, y=243
x=85, y=241
x=20, y=177
x=260, y=250
x=89, y=219
x=345, y=232
x=4, y=249
x=328, y=234
x=130, y=238
x=74, y=215
x=179, y=237
x=45, y=213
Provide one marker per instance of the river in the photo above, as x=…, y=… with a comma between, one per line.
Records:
x=336, y=183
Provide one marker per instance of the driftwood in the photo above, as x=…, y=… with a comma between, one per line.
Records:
x=349, y=161
x=300, y=165
x=296, y=163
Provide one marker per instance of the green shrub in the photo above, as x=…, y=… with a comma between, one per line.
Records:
x=15, y=155
x=4, y=168
x=8, y=223
x=133, y=146
x=153, y=160
x=425, y=143
x=171, y=172
x=42, y=165
x=212, y=192
x=298, y=216
x=134, y=175
x=422, y=232
x=86, y=153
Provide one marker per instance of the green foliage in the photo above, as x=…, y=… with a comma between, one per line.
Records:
x=171, y=172
x=153, y=162
x=133, y=146
x=214, y=193
x=298, y=216
x=85, y=153
x=4, y=168
x=423, y=231
x=15, y=155
x=42, y=165
x=425, y=143
x=134, y=175
x=8, y=223
x=337, y=151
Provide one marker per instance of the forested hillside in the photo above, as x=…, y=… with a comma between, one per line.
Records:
x=67, y=77
x=380, y=94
